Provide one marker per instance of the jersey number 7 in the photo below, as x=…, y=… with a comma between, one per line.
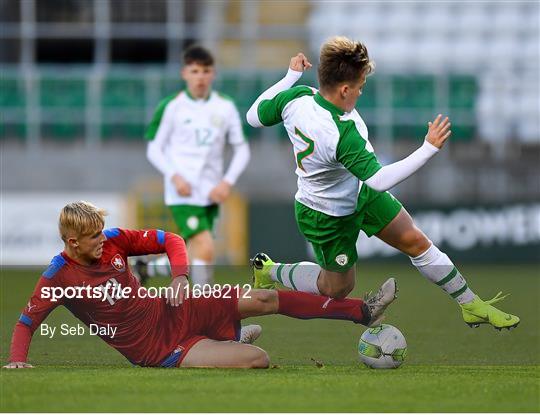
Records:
x=301, y=155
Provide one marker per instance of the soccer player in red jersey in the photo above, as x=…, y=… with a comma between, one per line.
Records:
x=91, y=279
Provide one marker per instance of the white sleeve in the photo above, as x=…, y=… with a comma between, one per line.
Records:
x=155, y=151
x=388, y=176
x=288, y=81
x=235, y=134
x=239, y=162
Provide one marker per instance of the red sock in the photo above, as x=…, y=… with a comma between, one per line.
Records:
x=306, y=306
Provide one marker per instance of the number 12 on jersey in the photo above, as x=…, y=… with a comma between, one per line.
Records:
x=301, y=155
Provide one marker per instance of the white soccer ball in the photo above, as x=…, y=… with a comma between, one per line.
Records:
x=382, y=347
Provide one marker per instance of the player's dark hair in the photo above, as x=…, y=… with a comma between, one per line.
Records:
x=198, y=54
x=343, y=60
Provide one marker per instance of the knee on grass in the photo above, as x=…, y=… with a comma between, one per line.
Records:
x=262, y=361
x=257, y=359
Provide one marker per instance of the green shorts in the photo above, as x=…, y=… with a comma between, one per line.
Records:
x=334, y=238
x=192, y=220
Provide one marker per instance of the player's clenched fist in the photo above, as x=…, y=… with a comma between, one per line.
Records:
x=299, y=63
x=438, y=131
x=220, y=193
x=182, y=187
x=18, y=365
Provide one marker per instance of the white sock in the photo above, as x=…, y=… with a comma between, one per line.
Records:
x=201, y=272
x=301, y=276
x=159, y=267
x=439, y=269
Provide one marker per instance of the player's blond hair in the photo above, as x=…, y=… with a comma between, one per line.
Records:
x=343, y=60
x=82, y=218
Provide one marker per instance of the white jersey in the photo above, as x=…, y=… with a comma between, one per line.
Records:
x=332, y=150
x=190, y=141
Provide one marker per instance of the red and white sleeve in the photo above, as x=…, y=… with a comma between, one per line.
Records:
x=155, y=241
x=37, y=309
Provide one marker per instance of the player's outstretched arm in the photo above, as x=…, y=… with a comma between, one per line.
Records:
x=40, y=304
x=392, y=174
x=18, y=365
x=297, y=66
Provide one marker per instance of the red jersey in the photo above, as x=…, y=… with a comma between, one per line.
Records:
x=147, y=329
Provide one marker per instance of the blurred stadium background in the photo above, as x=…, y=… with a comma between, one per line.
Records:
x=80, y=80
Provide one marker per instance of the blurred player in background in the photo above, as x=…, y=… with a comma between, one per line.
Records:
x=188, y=134
x=180, y=330
x=342, y=188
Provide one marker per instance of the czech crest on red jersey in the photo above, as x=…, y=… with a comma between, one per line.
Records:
x=118, y=262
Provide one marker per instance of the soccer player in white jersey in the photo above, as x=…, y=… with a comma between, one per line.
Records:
x=342, y=188
x=188, y=134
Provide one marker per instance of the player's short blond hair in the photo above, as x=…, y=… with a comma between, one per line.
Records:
x=81, y=218
x=343, y=60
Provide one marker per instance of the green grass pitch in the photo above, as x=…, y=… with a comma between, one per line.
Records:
x=449, y=367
